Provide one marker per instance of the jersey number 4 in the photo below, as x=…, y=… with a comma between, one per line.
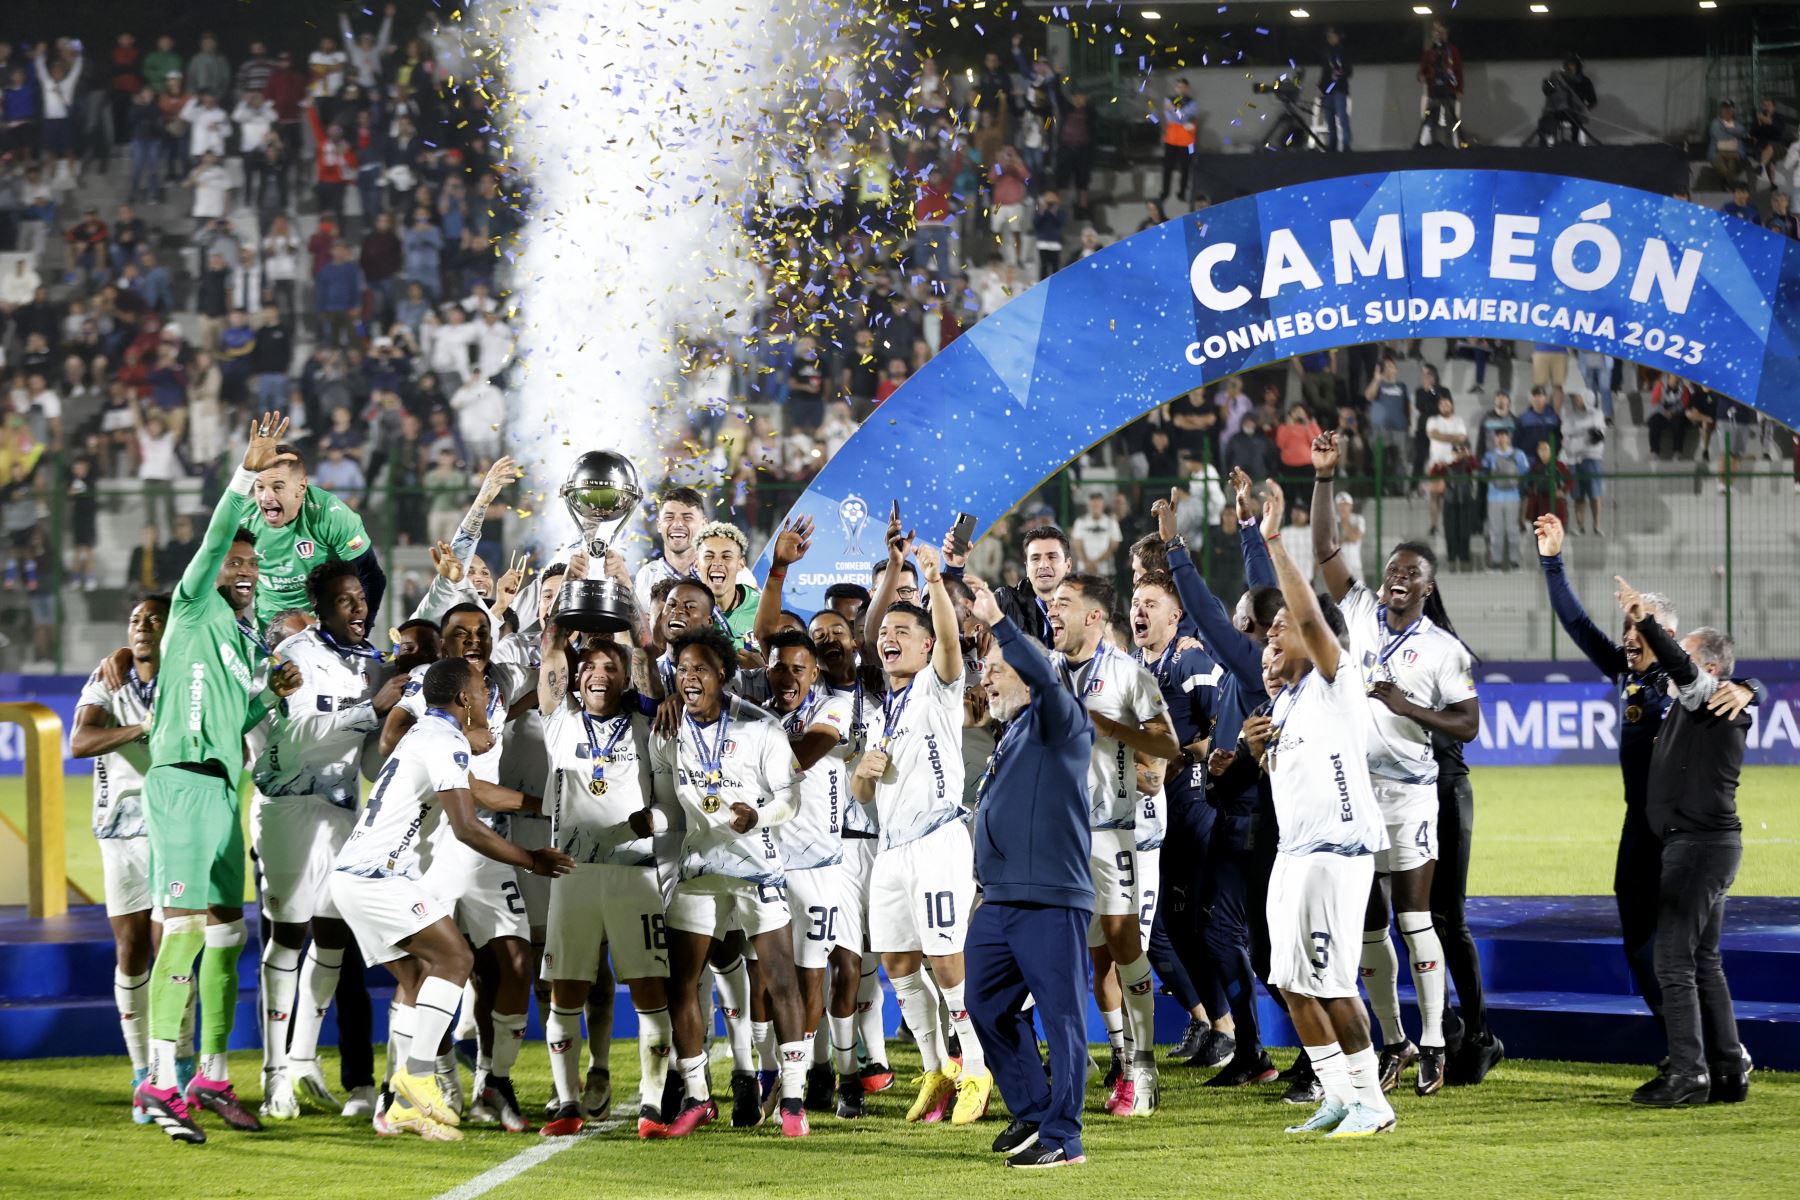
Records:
x=381, y=786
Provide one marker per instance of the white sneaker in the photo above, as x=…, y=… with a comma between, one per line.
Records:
x=278, y=1097
x=361, y=1103
x=310, y=1086
x=484, y=1107
x=1146, y=1093
x=597, y=1095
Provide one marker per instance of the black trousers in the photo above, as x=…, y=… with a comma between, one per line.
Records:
x=1697, y=871
x=1226, y=921
x=356, y=1023
x=1177, y=162
x=1184, y=895
x=1449, y=896
x=1637, y=887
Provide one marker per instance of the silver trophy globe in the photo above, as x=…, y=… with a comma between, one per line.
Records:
x=600, y=494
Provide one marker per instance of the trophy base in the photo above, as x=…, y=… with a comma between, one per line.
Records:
x=595, y=606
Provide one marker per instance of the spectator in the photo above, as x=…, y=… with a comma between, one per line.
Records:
x=480, y=411
x=212, y=299
x=181, y=547
x=1294, y=439
x=1781, y=218
x=1425, y=407
x=380, y=259
x=237, y=348
x=124, y=81
x=143, y=125
x=212, y=190
x=341, y=474
x=1252, y=451
x=1441, y=71
x=1499, y=416
x=338, y=297
x=365, y=51
x=1319, y=385
x=1505, y=467
x=57, y=82
x=84, y=521
x=159, y=464
x=1075, y=151
x=1047, y=231
x=286, y=90
x=208, y=71
x=325, y=70
x=1725, y=144
x=271, y=360
x=1096, y=538
x=1334, y=91
x=209, y=128
x=1444, y=430
x=1179, y=119
x=891, y=379
x=206, y=424
x=1537, y=424
x=1547, y=487
x=1740, y=204
x=446, y=485
x=1769, y=137
x=146, y=564
x=494, y=345
x=1584, y=450
x=422, y=254
x=254, y=73
x=334, y=162
x=934, y=244
x=1462, y=504
x=1006, y=180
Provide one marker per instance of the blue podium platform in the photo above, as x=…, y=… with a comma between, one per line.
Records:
x=1556, y=979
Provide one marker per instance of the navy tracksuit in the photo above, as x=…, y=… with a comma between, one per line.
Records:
x=1029, y=936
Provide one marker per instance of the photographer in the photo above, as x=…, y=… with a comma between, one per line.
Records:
x=1334, y=91
x=1441, y=71
x=1568, y=98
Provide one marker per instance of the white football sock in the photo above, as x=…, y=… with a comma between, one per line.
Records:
x=466, y=1029
x=162, y=1063
x=184, y=1041
x=1114, y=1020
x=818, y=1044
x=562, y=1033
x=655, y=1033
x=400, y=1029
x=794, y=1058
x=974, y=1062
x=734, y=997
x=132, y=995
x=693, y=1074
x=768, y=1055
x=919, y=1009
x=1425, y=954
x=1381, y=976
x=280, y=973
x=1329, y=1065
x=318, y=983
x=1140, y=1004
x=432, y=1015
x=1364, y=1074
x=843, y=1044
x=871, y=1015
x=509, y=1039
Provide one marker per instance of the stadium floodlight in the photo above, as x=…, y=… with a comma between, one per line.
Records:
x=1540, y=9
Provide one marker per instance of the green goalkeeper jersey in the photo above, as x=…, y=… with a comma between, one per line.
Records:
x=210, y=657
x=325, y=530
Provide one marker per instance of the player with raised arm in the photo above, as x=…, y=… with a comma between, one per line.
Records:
x=817, y=720
x=728, y=775
x=481, y=891
x=377, y=883
x=298, y=526
x=190, y=800
x=1419, y=680
x=923, y=883
x=1129, y=715
x=1312, y=745
x=112, y=726
x=304, y=806
x=599, y=776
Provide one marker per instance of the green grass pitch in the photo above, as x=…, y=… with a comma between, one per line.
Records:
x=1534, y=1129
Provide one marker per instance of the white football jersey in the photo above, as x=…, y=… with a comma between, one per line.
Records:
x=403, y=809
x=315, y=736
x=865, y=712
x=756, y=767
x=506, y=683
x=1152, y=820
x=1318, y=767
x=119, y=773
x=590, y=796
x=1114, y=685
x=1427, y=663
x=815, y=835
x=920, y=727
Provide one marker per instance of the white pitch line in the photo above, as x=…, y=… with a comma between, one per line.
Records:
x=522, y=1162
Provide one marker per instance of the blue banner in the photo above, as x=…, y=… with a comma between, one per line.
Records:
x=1368, y=258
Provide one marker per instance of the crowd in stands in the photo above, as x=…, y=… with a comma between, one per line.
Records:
x=313, y=229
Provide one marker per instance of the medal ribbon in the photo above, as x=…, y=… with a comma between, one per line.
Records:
x=710, y=762
x=598, y=757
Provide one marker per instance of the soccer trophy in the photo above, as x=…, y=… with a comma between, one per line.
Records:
x=601, y=493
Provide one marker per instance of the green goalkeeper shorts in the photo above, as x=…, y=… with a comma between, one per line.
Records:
x=196, y=839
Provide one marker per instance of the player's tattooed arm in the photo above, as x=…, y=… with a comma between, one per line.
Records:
x=553, y=676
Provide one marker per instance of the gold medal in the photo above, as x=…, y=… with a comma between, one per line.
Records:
x=1634, y=713
x=603, y=758
x=597, y=786
x=715, y=777
x=710, y=804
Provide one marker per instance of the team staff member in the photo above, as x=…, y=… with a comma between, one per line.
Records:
x=1027, y=604
x=1644, y=698
x=1692, y=807
x=297, y=527
x=191, y=800
x=1032, y=845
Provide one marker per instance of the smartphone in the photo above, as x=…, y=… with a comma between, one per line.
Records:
x=894, y=516
x=962, y=534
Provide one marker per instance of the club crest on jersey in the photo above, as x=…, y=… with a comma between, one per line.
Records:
x=177, y=888
x=304, y=547
x=420, y=909
x=1409, y=656
x=729, y=747
x=1095, y=687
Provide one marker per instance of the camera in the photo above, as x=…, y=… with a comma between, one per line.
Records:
x=1286, y=88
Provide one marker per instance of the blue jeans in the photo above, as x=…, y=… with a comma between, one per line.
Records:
x=1336, y=106
x=146, y=169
